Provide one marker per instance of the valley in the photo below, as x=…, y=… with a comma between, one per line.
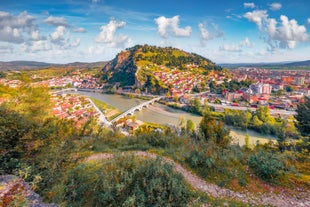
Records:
x=211, y=137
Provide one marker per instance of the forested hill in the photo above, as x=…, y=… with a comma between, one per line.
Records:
x=137, y=65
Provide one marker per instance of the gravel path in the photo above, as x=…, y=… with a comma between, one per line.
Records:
x=281, y=200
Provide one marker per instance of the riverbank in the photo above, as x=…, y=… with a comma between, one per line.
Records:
x=109, y=111
x=165, y=115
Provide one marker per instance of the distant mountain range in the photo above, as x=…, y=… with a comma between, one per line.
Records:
x=29, y=65
x=279, y=65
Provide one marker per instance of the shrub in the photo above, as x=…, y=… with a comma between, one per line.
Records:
x=126, y=181
x=13, y=128
x=266, y=165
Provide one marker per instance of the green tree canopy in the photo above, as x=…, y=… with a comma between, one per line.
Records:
x=13, y=127
x=213, y=129
x=303, y=117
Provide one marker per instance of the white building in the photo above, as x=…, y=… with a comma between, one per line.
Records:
x=261, y=88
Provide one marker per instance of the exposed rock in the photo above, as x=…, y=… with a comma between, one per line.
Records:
x=15, y=190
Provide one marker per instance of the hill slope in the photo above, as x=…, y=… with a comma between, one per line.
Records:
x=305, y=63
x=152, y=67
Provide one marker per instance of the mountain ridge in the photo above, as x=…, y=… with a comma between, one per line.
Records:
x=30, y=65
x=277, y=65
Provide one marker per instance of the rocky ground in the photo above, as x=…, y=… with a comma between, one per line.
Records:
x=15, y=191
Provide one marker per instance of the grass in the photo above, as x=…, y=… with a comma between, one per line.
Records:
x=101, y=105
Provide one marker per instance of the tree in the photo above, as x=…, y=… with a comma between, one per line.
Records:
x=289, y=89
x=214, y=130
x=176, y=98
x=196, y=105
x=247, y=140
x=182, y=122
x=303, y=117
x=217, y=101
x=190, y=126
x=13, y=127
x=279, y=92
x=263, y=113
x=2, y=75
x=33, y=102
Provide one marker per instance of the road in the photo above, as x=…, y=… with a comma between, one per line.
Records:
x=101, y=119
x=272, y=111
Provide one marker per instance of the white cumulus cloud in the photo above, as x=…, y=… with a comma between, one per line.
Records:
x=35, y=46
x=56, y=21
x=15, y=29
x=61, y=39
x=275, y=6
x=308, y=21
x=168, y=26
x=209, y=34
x=290, y=33
x=79, y=30
x=58, y=35
x=75, y=43
x=284, y=34
x=249, y=5
x=257, y=16
x=230, y=48
x=246, y=43
x=108, y=34
x=205, y=34
x=237, y=47
x=6, y=49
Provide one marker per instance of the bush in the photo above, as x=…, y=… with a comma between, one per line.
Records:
x=126, y=181
x=13, y=128
x=266, y=165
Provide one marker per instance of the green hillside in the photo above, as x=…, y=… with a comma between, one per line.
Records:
x=144, y=66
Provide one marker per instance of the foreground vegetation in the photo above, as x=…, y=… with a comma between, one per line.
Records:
x=51, y=155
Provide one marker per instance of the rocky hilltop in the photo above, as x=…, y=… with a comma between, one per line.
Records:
x=145, y=66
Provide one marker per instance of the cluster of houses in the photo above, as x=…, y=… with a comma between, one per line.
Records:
x=73, y=107
x=77, y=81
x=278, y=79
x=11, y=83
x=268, y=81
x=182, y=82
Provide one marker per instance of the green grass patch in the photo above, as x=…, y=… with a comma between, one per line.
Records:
x=105, y=108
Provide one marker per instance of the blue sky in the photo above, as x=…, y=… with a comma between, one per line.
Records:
x=225, y=31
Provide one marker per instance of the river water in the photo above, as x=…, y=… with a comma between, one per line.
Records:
x=161, y=114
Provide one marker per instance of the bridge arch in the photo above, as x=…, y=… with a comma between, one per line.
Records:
x=139, y=107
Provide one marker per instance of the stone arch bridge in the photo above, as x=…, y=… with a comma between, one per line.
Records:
x=139, y=107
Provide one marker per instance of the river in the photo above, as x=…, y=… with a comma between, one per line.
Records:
x=161, y=114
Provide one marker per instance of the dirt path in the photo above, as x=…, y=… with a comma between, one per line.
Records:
x=281, y=200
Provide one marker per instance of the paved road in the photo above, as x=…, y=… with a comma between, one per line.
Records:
x=272, y=111
x=102, y=118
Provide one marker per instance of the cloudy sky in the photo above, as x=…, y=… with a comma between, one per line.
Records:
x=225, y=31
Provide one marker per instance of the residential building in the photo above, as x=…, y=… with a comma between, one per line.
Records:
x=261, y=88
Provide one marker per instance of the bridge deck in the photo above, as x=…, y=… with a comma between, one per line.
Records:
x=133, y=109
